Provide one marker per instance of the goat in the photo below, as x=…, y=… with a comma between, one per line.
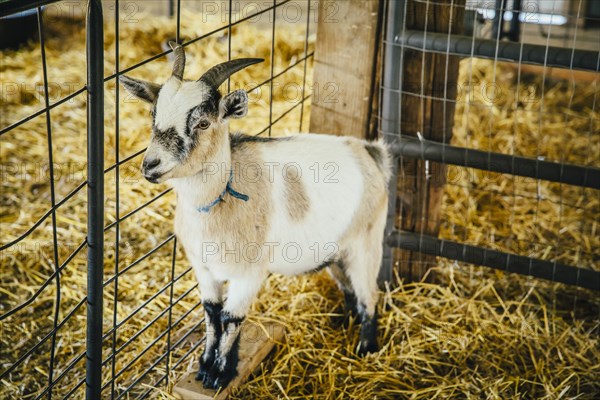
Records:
x=249, y=206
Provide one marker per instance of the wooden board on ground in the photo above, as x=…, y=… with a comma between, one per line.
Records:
x=256, y=342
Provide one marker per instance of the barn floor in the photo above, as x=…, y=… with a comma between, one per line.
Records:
x=475, y=334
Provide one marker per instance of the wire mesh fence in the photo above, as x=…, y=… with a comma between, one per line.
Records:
x=143, y=313
x=514, y=86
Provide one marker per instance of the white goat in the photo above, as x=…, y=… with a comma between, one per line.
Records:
x=249, y=206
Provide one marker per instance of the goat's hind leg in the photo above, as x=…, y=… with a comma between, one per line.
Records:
x=343, y=282
x=211, y=293
x=362, y=267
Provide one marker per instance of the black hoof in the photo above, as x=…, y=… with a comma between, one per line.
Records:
x=225, y=379
x=205, y=367
x=209, y=380
x=343, y=317
x=340, y=321
x=216, y=379
x=367, y=347
x=200, y=375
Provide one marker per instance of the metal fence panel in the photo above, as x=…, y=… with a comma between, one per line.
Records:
x=410, y=144
x=106, y=356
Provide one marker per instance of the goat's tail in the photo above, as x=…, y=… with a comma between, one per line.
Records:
x=379, y=151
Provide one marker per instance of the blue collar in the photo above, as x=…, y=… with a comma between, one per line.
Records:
x=228, y=189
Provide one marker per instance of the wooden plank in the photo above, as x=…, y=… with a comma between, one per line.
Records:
x=428, y=80
x=345, y=66
x=256, y=342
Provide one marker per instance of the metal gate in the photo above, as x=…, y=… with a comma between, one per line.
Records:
x=422, y=30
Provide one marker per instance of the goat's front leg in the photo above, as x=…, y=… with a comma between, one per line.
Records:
x=241, y=293
x=211, y=293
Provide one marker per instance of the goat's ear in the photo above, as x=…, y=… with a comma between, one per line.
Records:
x=234, y=105
x=143, y=90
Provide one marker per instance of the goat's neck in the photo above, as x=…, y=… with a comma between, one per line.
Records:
x=207, y=185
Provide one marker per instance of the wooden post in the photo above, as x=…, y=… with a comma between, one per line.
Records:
x=346, y=67
x=428, y=80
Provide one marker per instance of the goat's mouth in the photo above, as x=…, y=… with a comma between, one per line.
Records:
x=154, y=177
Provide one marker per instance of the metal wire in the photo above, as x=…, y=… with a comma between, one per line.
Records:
x=45, y=284
x=139, y=260
x=137, y=209
x=289, y=110
x=170, y=323
x=29, y=352
x=230, y=12
x=74, y=361
x=495, y=50
x=75, y=388
x=42, y=111
x=142, y=307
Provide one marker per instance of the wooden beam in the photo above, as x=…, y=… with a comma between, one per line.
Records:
x=256, y=342
x=428, y=80
x=346, y=53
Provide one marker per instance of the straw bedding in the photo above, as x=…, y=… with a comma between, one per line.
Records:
x=475, y=334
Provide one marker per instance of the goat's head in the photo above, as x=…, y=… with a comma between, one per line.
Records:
x=189, y=117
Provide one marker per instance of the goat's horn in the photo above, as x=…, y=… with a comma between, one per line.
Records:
x=179, y=62
x=219, y=73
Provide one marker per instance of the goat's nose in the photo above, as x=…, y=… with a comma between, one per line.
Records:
x=149, y=164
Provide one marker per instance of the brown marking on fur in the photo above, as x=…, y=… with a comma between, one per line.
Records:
x=296, y=198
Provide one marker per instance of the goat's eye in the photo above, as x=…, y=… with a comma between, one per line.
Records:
x=204, y=124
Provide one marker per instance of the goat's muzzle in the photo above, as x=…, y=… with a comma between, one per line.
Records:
x=150, y=170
